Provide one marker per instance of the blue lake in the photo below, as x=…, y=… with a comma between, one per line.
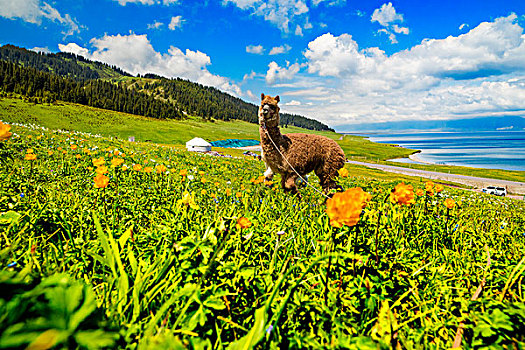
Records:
x=492, y=149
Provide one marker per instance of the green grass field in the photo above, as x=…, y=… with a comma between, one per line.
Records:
x=111, y=244
x=68, y=116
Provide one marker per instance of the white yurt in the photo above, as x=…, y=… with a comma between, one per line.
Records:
x=198, y=145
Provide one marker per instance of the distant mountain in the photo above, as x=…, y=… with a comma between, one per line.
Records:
x=471, y=124
x=100, y=85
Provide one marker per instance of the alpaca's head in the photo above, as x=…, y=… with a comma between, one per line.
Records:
x=269, y=110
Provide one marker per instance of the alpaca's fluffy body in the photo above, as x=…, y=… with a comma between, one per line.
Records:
x=304, y=152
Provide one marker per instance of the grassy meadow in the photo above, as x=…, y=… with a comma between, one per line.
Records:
x=111, y=244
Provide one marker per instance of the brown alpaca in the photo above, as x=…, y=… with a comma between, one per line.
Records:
x=304, y=152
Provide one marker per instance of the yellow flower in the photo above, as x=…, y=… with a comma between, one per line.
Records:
x=188, y=200
x=4, y=131
x=439, y=188
x=161, y=168
x=203, y=192
x=243, y=223
x=449, y=203
x=98, y=161
x=116, y=162
x=345, y=208
x=101, y=181
x=124, y=168
x=343, y=172
x=201, y=173
x=29, y=150
x=402, y=194
x=137, y=167
x=101, y=170
x=216, y=184
x=78, y=156
x=203, y=180
x=30, y=156
x=228, y=192
x=49, y=153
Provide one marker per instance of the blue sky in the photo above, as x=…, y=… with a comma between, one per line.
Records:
x=338, y=61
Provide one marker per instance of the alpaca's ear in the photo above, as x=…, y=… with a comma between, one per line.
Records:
x=277, y=98
x=262, y=96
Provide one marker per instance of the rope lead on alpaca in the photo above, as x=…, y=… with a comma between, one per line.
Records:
x=286, y=160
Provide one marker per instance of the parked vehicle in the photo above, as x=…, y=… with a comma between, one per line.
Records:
x=497, y=191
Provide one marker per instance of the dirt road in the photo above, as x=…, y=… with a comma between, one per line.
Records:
x=517, y=188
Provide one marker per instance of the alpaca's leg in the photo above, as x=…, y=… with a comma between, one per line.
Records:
x=327, y=179
x=288, y=183
x=268, y=174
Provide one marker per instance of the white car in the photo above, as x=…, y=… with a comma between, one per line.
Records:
x=497, y=191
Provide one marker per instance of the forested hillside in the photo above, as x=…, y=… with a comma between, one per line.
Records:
x=47, y=77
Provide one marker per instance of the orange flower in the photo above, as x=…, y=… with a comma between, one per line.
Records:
x=238, y=194
x=4, y=131
x=74, y=147
x=345, y=208
x=243, y=223
x=228, y=192
x=439, y=188
x=343, y=172
x=429, y=185
x=124, y=168
x=137, y=167
x=101, y=181
x=420, y=192
x=115, y=162
x=161, y=168
x=402, y=194
x=203, y=180
x=449, y=203
x=30, y=156
x=148, y=169
x=98, y=161
x=78, y=156
x=102, y=170
x=49, y=153
x=29, y=150
x=183, y=172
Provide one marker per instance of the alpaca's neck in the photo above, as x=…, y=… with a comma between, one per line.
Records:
x=272, y=131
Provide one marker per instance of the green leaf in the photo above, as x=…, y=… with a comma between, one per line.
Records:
x=256, y=333
x=9, y=217
x=95, y=339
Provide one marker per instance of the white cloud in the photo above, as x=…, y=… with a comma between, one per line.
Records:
x=41, y=49
x=463, y=25
x=281, y=13
x=275, y=72
x=155, y=25
x=387, y=17
x=277, y=50
x=298, y=30
x=28, y=10
x=176, y=22
x=255, y=49
x=33, y=11
x=135, y=54
x=479, y=73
